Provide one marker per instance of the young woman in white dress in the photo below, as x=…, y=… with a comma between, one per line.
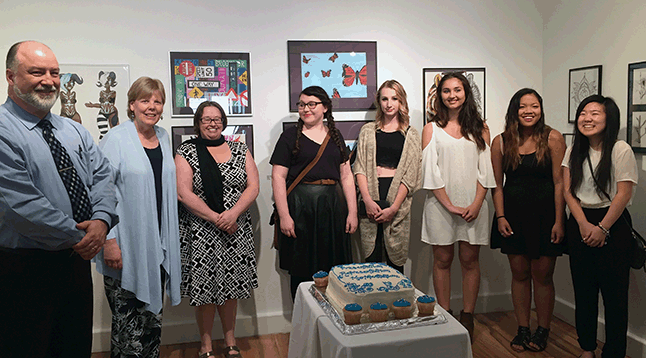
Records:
x=456, y=168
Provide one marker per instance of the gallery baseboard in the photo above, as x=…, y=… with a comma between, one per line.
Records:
x=186, y=331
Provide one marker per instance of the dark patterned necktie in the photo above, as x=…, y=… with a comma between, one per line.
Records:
x=75, y=189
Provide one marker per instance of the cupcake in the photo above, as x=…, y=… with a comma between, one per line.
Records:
x=320, y=280
x=378, y=312
x=402, y=309
x=352, y=313
x=425, y=305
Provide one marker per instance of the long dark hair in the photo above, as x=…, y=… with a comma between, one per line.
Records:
x=511, y=136
x=581, y=147
x=471, y=123
x=320, y=93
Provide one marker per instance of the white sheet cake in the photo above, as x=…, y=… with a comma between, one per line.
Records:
x=367, y=283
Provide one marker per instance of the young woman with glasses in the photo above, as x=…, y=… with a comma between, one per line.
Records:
x=315, y=221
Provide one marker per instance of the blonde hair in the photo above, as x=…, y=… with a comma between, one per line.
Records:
x=403, y=116
x=144, y=87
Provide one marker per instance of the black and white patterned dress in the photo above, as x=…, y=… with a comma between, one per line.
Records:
x=217, y=266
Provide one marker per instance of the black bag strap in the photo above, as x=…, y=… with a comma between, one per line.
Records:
x=604, y=192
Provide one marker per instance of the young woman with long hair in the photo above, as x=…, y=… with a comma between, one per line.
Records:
x=387, y=169
x=599, y=174
x=530, y=211
x=456, y=168
x=315, y=222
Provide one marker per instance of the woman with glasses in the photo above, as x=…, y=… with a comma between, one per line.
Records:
x=217, y=181
x=315, y=221
x=389, y=156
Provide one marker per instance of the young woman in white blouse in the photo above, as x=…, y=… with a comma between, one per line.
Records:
x=598, y=230
x=456, y=167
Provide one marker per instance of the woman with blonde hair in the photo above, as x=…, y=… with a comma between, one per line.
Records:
x=387, y=170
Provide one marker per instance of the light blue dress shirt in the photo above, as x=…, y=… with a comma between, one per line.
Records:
x=35, y=209
x=143, y=247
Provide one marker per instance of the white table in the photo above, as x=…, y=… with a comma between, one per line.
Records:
x=315, y=335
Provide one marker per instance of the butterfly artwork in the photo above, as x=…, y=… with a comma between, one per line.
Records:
x=335, y=93
x=326, y=73
x=306, y=60
x=333, y=57
x=307, y=74
x=351, y=76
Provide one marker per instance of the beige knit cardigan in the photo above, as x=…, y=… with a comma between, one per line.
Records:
x=396, y=232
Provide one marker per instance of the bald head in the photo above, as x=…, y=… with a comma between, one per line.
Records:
x=33, y=76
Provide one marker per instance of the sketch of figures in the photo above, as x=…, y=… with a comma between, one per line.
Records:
x=432, y=77
x=638, y=129
x=108, y=116
x=639, y=86
x=68, y=97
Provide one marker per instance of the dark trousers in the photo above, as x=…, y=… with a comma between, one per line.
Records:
x=380, y=252
x=601, y=269
x=45, y=304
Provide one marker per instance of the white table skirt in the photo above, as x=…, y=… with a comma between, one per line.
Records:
x=314, y=335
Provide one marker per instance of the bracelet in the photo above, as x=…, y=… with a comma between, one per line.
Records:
x=605, y=231
x=500, y=217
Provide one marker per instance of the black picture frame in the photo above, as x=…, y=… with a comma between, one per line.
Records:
x=477, y=77
x=580, y=87
x=179, y=134
x=636, y=130
x=329, y=51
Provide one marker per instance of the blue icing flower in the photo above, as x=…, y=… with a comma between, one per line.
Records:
x=425, y=299
x=378, y=306
x=320, y=274
x=401, y=303
x=352, y=307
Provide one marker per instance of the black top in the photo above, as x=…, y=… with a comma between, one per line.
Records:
x=389, y=148
x=328, y=167
x=155, y=157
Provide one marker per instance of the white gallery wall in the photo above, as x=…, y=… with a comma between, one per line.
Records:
x=505, y=36
x=612, y=34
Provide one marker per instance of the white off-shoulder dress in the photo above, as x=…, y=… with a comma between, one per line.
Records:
x=457, y=166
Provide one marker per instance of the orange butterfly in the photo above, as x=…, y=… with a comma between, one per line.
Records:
x=333, y=57
x=306, y=60
x=335, y=93
x=351, y=77
x=326, y=73
x=307, y=74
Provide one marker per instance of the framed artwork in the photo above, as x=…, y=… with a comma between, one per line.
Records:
x=94, y=95
x=584, y=82
x=221, y=77
x=234, y=133
x=431, y=79
x=349, y=130
x=637, y=106
x=347, y=70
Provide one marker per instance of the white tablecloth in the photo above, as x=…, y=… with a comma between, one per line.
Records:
x=314, y=335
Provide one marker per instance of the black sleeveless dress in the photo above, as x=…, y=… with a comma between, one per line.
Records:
x=529, y=209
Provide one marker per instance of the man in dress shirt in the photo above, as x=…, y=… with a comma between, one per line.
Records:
x=45, y=281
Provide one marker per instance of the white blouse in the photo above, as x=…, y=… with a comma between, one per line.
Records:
x=457, y=166
x=624, y=168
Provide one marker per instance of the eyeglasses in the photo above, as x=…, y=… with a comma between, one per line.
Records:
x=311, y=105
x=207, y=120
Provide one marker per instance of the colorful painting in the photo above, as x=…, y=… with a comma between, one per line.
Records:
x=346, y=70
x=431, y=78
x=232, y=133
x=584, y=82
x=210, y=76
x=94, y=95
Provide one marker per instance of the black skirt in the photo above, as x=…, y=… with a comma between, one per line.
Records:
x=319, y=215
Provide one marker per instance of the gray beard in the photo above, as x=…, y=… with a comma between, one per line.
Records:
x=33, y=99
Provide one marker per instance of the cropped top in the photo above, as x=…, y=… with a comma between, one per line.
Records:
x=389, y=148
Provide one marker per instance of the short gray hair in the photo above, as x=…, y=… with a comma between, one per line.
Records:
x=12, y=58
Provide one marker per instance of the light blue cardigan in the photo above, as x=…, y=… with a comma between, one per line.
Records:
x=142, y=249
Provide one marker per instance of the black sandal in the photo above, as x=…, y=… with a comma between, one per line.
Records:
x=539, y=338
x=234, y=355
x=522, y=339
x=206, y=355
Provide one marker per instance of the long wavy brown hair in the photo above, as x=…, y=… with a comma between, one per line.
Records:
x=511, y=136
x=403, y=117
x=471, y=123
x=335, y=135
